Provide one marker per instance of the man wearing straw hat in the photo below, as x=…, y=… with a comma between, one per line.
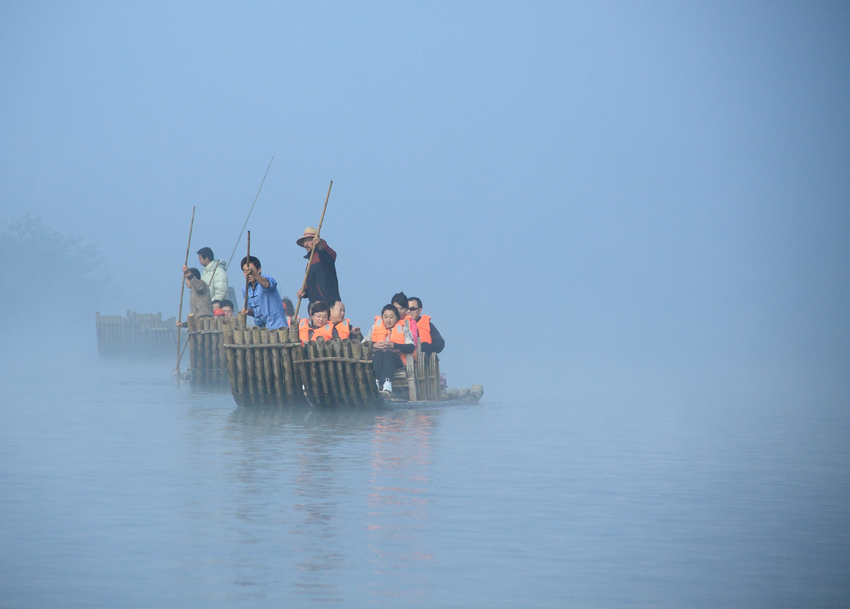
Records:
x=322, y=283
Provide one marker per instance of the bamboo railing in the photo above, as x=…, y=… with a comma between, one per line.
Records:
x=136, y=334
x=207, y=360
x=271, y=368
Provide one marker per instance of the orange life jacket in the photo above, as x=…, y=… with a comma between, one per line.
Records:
x=396, y=335
x=343, y=328
x=306, y=333
x=424, y=325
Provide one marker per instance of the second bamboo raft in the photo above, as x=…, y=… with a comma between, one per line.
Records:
x=270, y=367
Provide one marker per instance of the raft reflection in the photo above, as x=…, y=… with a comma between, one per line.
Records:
x=317, y=478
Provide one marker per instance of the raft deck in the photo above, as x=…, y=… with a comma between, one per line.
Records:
x=270, y=367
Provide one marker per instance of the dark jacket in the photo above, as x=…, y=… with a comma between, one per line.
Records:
x=437, y=344
x=322, y=283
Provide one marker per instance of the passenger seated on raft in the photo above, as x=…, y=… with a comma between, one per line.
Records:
x=226, y=308
x=430, y=338
x=392, y=341
x=317, y=325
x=401, y=303
x=288, y=309
x=343, y=326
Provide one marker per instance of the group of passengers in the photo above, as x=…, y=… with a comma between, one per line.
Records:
x=397, y=331
x=395, y=334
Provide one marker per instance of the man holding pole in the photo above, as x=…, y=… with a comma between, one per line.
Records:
x=199, y=302
x=321, y=283
x=262, y=300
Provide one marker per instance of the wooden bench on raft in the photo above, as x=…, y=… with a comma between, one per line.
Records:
x=419, y=380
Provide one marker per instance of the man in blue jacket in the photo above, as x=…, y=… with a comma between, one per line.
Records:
x=262, y=301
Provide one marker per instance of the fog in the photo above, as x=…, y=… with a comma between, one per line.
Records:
x=604, y=191
x=630, y=219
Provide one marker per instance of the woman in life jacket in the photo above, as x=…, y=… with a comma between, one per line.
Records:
x=391, y=342
x=317, y=325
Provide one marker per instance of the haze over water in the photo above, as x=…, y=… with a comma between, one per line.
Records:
x=630, y=223
x=119, y=489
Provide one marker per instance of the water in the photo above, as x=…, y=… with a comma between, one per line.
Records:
x=118, y=489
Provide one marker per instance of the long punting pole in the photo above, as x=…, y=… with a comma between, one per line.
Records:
x=312, y=251
x=242, y=317
x=249, y=213
x=183, y=289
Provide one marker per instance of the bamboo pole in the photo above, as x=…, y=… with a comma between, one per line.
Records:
x=182, y=289
x=330, y=371
x=336, y=346
x=221, y=370
x=475, y=393
x=206, y=341
x=413, y=394
x=350, y=372
x=300, y=376
x=274, y=339
x=230, y=356
x=250, y=366
x=267, y=364
x=243, y=317
x=249, y=213
x=364, y=378
x=286, y=364
x=193, y=348
x=241, y=370
x=212, y=375
x=318, y=391
x=212, y=378
x=313, y=250
x=438, y=381
x=259, y=377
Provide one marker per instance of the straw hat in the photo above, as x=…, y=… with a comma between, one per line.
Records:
x=309, y=233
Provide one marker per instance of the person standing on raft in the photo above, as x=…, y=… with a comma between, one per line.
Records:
x=214, y=275
x=200, y=304
x=322, y=283
x=262, y=301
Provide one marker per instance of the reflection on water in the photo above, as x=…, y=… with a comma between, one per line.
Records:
x=398, y=498
x=118, y=489
x=327, y=477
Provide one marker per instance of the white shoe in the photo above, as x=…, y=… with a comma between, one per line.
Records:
x=388, y=385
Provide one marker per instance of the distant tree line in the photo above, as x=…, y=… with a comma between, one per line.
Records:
x=44, y=268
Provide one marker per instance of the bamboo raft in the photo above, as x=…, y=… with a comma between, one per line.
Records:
x=207, y=364
x=136, y=334
x=271, y=368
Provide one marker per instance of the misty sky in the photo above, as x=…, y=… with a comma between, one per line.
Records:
x=655, y=183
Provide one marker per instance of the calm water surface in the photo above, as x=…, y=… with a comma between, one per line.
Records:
x=119, y=490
